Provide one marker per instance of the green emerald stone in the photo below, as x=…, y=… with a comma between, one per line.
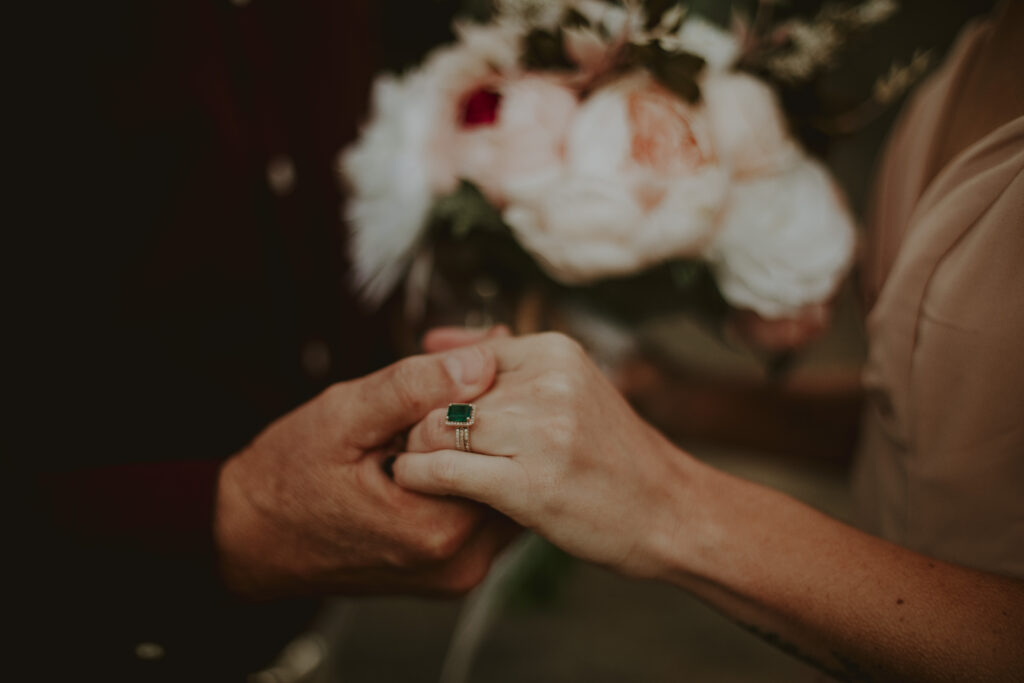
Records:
x=459, y=412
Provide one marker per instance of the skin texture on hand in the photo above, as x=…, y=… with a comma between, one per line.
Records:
x=558, y=450
x=562, y=433
x=307, y=507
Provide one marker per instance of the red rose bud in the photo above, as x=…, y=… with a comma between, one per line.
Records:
x=481, y=108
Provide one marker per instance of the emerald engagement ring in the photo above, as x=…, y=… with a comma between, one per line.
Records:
x=461, y=416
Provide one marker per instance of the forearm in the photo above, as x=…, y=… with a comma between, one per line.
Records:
x=856, y=606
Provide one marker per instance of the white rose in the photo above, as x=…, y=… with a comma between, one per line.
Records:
x=747, y=124
x=390, y=181
x=394, y=170
x=640, y=186
x=718, y=47
x=785, y=241
x=579, y=228
x=526, y=140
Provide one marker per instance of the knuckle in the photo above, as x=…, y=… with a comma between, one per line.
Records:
x=561, y=346
x=556, y=385
x=561, y=432
x=468, y=575
x=444, y=471
x=427, y=435
x=407, y=382
x=443, y=541
x=402, y=558
x=434, y=546
x=545, y=488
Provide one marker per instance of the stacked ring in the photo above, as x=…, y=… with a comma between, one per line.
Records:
x=461, y=416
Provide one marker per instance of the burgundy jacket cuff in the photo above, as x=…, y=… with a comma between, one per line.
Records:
x=161, y=508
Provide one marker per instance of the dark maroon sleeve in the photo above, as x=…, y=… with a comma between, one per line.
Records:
x=174, y=293
x=164, y=508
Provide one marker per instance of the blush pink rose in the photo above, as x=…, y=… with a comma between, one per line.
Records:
x=747, y=125
x=663, y=137
x=641, y=185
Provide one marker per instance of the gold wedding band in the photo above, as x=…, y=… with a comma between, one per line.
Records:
x=461, y=416
x=462, y=439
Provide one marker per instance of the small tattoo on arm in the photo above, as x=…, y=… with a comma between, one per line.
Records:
x=848, y=670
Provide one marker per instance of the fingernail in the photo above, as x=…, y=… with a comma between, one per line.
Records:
x=465, y=366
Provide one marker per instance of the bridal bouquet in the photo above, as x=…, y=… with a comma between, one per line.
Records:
x=607, y=139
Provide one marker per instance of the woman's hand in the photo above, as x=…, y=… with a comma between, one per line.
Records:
x=308, y=508
x=560, y=451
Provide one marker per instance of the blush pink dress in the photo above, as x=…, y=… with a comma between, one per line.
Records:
x=941, y=463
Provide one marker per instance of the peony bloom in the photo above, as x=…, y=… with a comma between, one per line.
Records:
x=391, y=182
x=630, y=177
x=640, y=185
x=402, y=160
x=524, y=142
x=786, y=240
x=786, y=237
x=747, y=125
x=718, y=47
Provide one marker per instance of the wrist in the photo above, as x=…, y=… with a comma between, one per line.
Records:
x=694, y=532
x=245, y=559
x=671, y=517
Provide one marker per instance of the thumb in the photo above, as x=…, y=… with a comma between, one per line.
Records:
x=393, y=399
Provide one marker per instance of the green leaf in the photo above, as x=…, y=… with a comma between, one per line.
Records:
x=686, y=274
x=465, y=210
x=575, y=19
x=639, y=55
x=683, y=60
x=655, y=10
x=680, y=78
x=545, y=50
x=677, y=71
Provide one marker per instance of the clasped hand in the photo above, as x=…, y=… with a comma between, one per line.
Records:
x=558, y=449
x=308, y=507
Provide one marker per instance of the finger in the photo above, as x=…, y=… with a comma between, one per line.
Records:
x=379, y=480
x=493, y=432
x=470, y=565
x=548, y=349
x=483, y=478
x=446, y=338
x=393, y=399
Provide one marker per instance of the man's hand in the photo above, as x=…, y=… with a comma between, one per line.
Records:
x=308, y=508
